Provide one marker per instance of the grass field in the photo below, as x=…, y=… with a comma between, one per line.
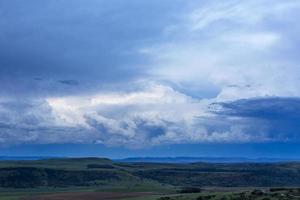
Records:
x=81, y=193
x=94, y=178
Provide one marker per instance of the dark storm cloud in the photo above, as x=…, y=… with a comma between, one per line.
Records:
x=92, y=41
x=277, y=117
x=263, y=108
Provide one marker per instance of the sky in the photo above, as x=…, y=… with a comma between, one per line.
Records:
x=150, y=78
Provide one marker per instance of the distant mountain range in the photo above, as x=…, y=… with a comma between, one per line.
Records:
x=12, y=158
x=170, y=159
x=203, y=159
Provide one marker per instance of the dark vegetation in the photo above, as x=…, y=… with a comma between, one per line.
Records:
x=104, y=172
x=190, y=190
x=225, y=175
x=100, y=166
x=256, y=194
x=28, y=177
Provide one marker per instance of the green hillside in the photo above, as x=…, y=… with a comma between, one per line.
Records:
x=103, y=172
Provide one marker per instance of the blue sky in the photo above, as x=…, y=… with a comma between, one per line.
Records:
x=123, y=78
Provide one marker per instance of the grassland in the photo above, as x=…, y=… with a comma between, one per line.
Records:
x=104, y=179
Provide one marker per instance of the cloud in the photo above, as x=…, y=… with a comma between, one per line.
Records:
x=241, y=13
x=271, y=108
x=156, y=115
x=69, y=82
x=277, y=117
x=92, y=42
x=232, y=43
x=149, y=73
x=33, y=122
x=128, y=118
x=258, y=40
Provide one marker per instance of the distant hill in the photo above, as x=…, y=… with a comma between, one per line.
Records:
x=203, y=159
x=163, y=159
x=103, y=173
x=24, y=157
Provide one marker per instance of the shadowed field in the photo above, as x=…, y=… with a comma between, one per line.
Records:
x=206, y=194
x=90, y=196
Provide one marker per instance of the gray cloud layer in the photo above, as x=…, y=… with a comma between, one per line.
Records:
x=279, y=117
x=92, y=42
